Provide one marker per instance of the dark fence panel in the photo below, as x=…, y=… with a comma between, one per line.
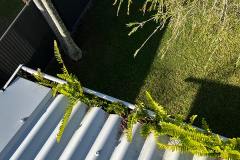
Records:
x=28, y=40
x=4, y=23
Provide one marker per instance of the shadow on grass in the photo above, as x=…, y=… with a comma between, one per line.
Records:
x=219, y=104
x=108, y=65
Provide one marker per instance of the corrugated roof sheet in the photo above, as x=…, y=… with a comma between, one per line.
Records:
x=91, y=134
x=20, y=100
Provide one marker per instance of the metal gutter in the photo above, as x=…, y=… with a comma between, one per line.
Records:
x=57, y=80
x=12, y=77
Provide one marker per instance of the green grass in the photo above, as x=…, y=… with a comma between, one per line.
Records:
x=179, y=81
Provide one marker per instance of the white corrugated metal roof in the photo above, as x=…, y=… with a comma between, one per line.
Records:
x=20, y=100
x=91, y=133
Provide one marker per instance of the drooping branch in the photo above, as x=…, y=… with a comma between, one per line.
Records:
x=213, y=25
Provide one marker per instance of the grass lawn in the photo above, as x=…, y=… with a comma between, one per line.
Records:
x=179, y=81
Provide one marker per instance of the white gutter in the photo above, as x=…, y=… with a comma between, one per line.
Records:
x=57, y=80
x=12, y=77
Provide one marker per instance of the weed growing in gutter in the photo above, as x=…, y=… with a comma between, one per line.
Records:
x=188, y=138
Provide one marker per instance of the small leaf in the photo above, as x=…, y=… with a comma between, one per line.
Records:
x=134, y=29
x=205, y=125
x=192, y=119
x=132, y=24
x=136, y=52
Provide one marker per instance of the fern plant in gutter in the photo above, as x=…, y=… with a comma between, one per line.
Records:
x=71, y=89
x=183, y=136
x=152, y=116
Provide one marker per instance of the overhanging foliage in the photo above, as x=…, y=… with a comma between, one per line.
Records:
x=213, y=25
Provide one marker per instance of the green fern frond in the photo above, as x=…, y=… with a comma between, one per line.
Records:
x=231, y=154
x=233, y=143
x=154, y=106
x=177, y=131
x=137, y=115
x=41, y=80
x=146, y=129
x=130, y=122
x=205, y=125
x=178, y=119
x=57, y=89
x=62, y=76
x=192, y=119
x=64, y=121
x=117, y=108
x=59, y=58
x=185, y=145
x=57, y=53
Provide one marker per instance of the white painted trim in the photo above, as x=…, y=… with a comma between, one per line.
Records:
x=57, y=80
